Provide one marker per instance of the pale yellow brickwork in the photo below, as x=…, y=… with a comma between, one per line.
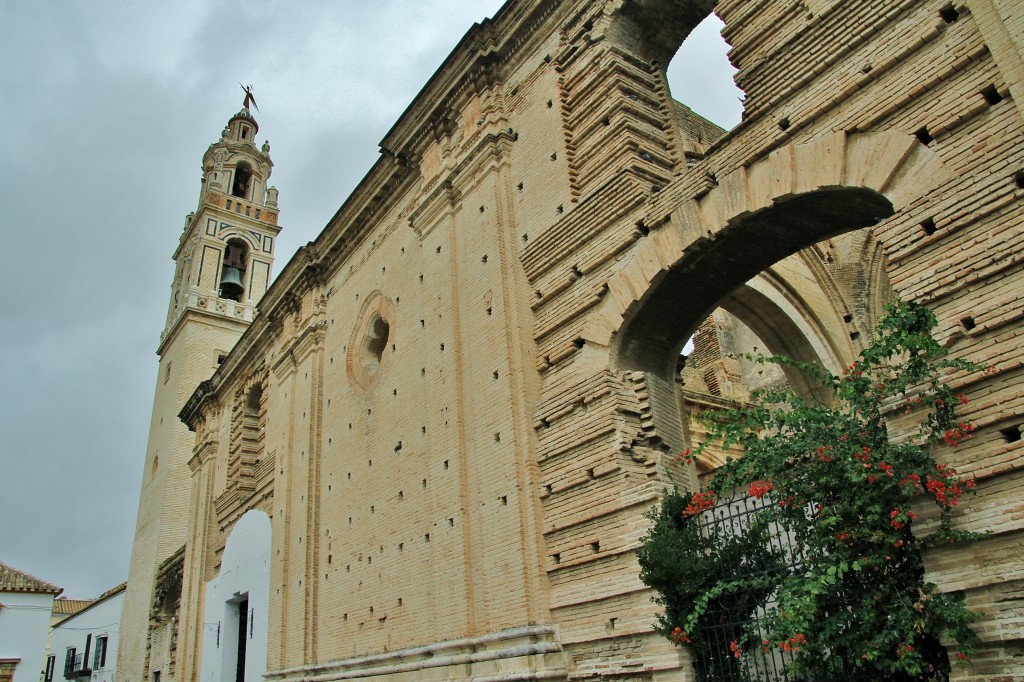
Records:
x=467, y=384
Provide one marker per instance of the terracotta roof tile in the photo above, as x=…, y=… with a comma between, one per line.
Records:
x=67, y=607
x=13, y=580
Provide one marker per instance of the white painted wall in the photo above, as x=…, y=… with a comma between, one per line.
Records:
x=244, y=574
x=24, y=624
x=102, y=619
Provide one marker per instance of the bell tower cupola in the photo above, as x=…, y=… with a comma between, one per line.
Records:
x=227, y=246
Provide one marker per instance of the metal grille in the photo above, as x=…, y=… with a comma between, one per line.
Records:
x=733, y=616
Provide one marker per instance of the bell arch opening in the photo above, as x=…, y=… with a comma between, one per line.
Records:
x=241, y=182
x=236, y=256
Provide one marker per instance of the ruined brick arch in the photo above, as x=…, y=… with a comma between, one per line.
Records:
x=756, y=215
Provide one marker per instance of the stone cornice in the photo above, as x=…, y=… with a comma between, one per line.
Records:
x=192, y=412
x=194, y=310
x=208, y=207
x=246, y=147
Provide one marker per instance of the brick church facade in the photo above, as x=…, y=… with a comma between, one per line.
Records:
x=428, y=455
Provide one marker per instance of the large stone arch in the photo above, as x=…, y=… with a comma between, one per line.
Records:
x=756, y=215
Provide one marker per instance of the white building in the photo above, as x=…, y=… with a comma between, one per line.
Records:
x=25, y=606
x=85, y=644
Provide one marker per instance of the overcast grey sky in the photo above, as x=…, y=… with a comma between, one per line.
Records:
x=106, y=108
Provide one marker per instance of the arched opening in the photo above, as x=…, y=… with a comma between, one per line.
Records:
x=682, y=297
x=236, y=256
x=684, y=40
x=757, y=277
x=766, y=316
x=763, y=316
x=700, y=76
x=791, y=279
x=242, y=180
x=237, y=604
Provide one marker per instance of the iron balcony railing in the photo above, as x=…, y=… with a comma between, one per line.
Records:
x=77, y=667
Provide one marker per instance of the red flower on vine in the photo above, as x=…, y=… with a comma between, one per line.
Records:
x=700, y=502
x=793, y=643
x=680, y=636
x=759, y=489
x=957, y=434
x=899, y=520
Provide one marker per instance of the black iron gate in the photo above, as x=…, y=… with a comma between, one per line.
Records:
x=717, y=654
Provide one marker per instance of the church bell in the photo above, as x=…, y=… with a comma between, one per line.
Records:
x=231, y=283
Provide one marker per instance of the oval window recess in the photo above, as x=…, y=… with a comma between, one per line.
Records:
x=368, y=349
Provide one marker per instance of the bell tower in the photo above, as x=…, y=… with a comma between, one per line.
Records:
x=222, y=269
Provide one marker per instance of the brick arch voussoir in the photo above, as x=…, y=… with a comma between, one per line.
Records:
x=895, y=165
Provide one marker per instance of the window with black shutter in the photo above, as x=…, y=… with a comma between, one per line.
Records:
x=100, y=656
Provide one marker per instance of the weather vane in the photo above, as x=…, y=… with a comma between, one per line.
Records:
x=249, y=97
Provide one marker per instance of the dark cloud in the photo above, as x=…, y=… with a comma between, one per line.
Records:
x=106, y=108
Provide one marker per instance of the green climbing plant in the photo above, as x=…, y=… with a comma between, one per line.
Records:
x=831, y=480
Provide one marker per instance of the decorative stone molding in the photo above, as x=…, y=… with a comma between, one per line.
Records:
x=535, y=646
